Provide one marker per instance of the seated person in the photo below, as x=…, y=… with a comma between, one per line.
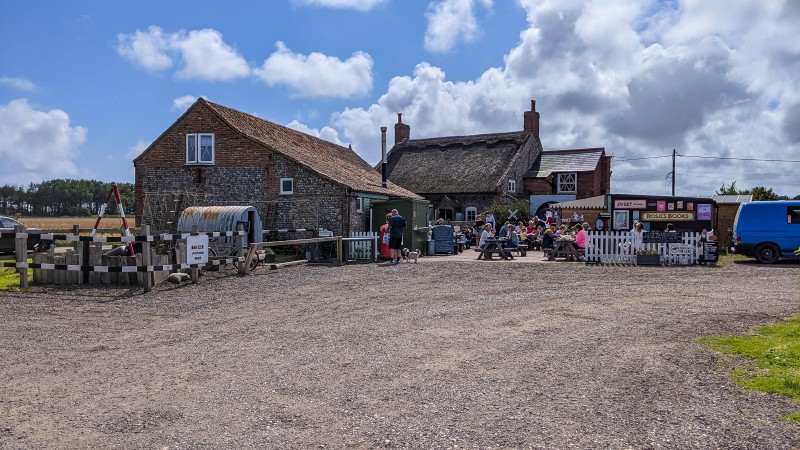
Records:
x=503, y=232
x=548, y=238
x=485, y=234
x=513, y=237
x=580, y=239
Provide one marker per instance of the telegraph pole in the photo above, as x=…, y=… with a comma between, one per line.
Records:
x=673, y=171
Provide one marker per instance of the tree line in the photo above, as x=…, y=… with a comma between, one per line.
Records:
x=60, y=197
x=759, y=193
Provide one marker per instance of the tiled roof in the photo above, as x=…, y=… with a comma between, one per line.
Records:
x=334, y=162
x=555, y=161
x=465, y=164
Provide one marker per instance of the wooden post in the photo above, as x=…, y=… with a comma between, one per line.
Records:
x=21, y=250
x=339, y=249
x=148, y=280
x=238, y=254
x=194, y=272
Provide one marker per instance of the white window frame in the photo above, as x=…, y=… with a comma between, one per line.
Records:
x=197, y=138
x=565, y=179
x=284, y=192
x=512, y=186
x=471, y=213
x=359, y=204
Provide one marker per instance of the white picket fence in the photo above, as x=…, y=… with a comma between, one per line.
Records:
x=617, y=247
x=362, y=245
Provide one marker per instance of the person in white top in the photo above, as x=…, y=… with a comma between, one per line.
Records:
x=486, y=234
x=637, y=236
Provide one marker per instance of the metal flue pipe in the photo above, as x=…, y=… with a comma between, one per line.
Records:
x=383, y=157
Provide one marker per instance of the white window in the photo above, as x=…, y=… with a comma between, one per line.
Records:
x=512, y=186
x=472, y=212
x=200, y=148
x=567, y=182
x=287, y=185
x=359, y=204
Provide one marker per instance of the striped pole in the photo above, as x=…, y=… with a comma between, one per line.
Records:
x=114, y=190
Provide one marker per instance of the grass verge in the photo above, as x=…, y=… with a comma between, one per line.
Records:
x=9, y=278
x=775, y=354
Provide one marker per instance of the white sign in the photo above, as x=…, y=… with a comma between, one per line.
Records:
x=197, y=249
x=630, y=204
x=680, y=249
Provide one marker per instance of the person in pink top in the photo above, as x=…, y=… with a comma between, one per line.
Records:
x=580, y=237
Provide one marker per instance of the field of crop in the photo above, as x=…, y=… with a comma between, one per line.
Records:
x=63, y=223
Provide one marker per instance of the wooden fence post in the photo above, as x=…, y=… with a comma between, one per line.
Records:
x=148, y=280
x=194, y=272
x=21, y=251
x=339, y=249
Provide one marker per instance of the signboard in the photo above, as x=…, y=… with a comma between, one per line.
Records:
x=680, y=249
x=662, y=205
x=630, y=204
x=443, y=238
x=661, y=237
x=197, y=249
x=672, y=216
x=710, y=251
x=703, y=211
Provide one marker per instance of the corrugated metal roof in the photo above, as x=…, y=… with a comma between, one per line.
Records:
x=740, y=198
x=555, y=161
x=598, y=202
x=217, y=218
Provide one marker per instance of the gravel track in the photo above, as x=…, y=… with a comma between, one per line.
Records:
x=441, y=354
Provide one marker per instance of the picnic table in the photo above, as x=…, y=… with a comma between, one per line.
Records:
x=564, y=248
x=492, y=246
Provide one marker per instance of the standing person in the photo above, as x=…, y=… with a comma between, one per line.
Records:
x=396, y=226
x=637, y=236
x=490, y=219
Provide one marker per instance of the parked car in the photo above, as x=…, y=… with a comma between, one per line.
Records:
x=767, y=231
x=7, y=243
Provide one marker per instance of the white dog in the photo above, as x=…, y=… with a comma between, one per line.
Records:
x=408, y=255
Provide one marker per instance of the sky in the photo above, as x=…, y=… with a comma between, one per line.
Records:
x=87, y=85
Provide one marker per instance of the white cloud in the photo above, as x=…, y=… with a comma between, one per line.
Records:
x=183, y=102
x=204, y=54
x=358, y=5
x=450, y=22
x=637, y=78
x=317, y=75
x=37, y=145
x=327, y=133
x=136, y=149
x=19, y=83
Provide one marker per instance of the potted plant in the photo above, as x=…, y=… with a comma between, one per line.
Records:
x=648, y=257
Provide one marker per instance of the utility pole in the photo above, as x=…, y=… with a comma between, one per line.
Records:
x=673, y=171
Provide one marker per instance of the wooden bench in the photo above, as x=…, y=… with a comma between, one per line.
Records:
x=521, y=250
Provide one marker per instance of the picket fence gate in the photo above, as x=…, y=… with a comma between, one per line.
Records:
x=362, y=245
x=617, y=247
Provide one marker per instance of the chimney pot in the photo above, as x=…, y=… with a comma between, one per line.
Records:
x=530, y=122
x=402, y=131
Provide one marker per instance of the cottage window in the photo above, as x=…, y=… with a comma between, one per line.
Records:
x=287, y=185
x=359, y=204
x=200, y=148
x=472, y=213
x=512, y=186
x=567, y=183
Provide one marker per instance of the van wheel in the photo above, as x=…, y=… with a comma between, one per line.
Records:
x=767, y=253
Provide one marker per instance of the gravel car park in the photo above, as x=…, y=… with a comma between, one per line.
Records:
x=441, y=354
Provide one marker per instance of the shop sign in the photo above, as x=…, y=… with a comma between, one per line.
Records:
x=630, y=204
x=680, y=249
x=676, y=216
x=703, y=212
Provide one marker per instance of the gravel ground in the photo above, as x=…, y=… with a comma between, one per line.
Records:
x=443, y=354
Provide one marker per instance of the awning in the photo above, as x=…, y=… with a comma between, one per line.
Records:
x=598, y=202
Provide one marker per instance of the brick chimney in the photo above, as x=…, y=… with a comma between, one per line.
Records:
x=531, y=120
x=402, y=131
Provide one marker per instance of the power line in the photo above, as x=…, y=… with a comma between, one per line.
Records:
x=741, y=159
x=645, y=157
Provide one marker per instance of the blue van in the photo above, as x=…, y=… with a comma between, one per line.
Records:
x=767, y=231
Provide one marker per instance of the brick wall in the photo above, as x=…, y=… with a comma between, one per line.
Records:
x=244, y=173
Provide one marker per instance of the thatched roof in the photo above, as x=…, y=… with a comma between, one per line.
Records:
x=465, y=164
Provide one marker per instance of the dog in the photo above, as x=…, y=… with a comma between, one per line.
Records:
x=408, y=255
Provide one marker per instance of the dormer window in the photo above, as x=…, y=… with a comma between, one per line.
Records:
x=200, y=148
x=567, y=183
x=512, y=186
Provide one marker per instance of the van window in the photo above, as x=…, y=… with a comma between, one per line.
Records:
x=793, y=214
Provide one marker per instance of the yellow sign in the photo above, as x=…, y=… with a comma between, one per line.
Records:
x=677, y=216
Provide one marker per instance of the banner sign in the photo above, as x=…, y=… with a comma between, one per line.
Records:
x=673, y=216
x=703, y=212
x=680, y=249
x=630, y=204
x=196, y=249
x=661, y=237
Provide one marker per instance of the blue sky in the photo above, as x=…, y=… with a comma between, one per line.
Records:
x=87, y=85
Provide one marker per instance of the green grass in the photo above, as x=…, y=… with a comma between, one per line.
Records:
x=775, y=354
x=9, y=278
